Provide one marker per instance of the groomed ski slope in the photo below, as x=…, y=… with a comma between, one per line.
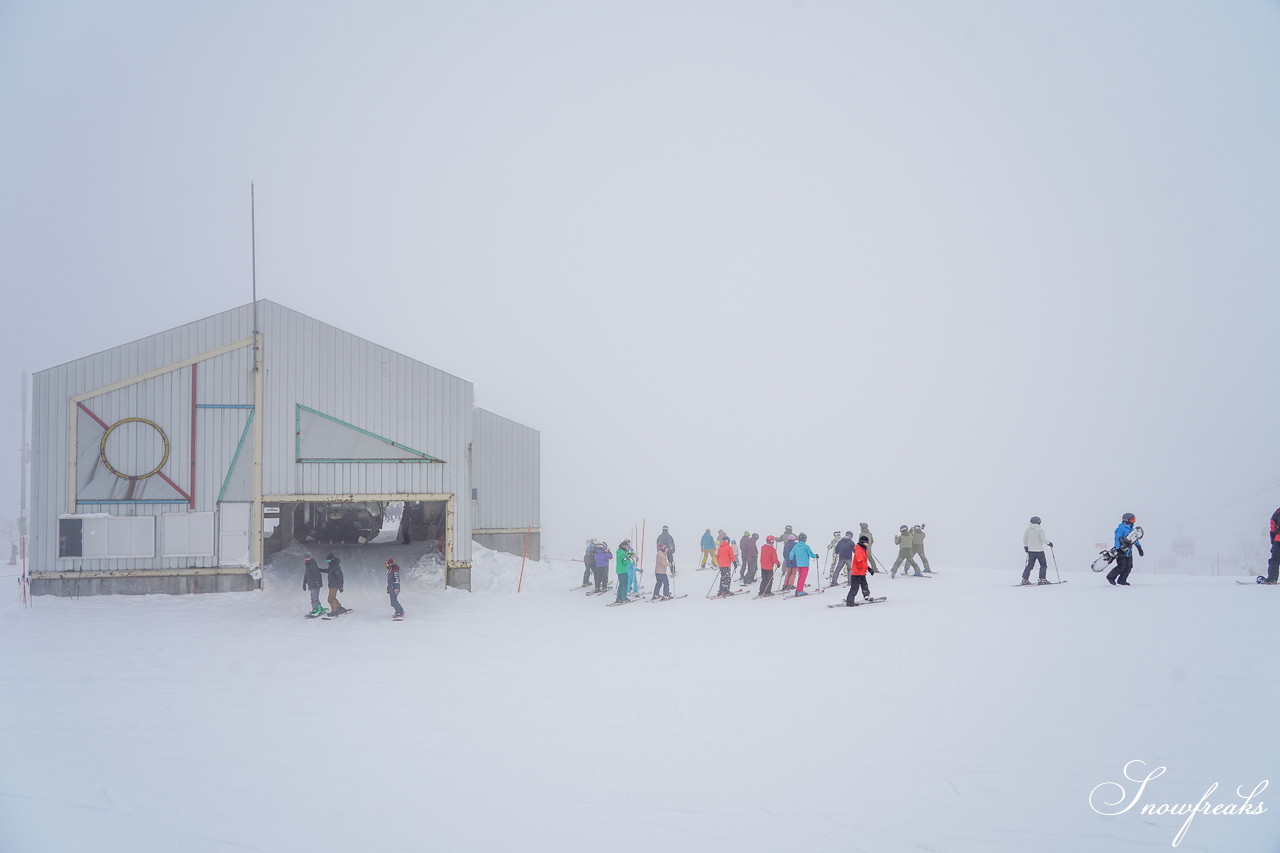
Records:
x=960, y=715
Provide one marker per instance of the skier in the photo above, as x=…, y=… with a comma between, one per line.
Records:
x=627, y=565
x=311, y=582
x=904, y=541
x=665, y=538
x=1119, y=574
x=725, y=561
x=1273, y=565
x=708, y=548
x=864, y=530
x=788, y=579
x=858, y=572
x=661, y=585
x=785, y=536
x=602, y=556
x=768, y=562
x=802, y=555
x=333, y=566
x=843, y=550
x=1033, y=542
x=623, y=570
x=589, y=562
x=750, y=557
x=917, y=546
x=831, y=548
x=393, y=588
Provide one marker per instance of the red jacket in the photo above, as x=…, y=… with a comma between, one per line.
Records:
x=724, y=556
x=768, y=557
x=1275, y=526
x=859, y=560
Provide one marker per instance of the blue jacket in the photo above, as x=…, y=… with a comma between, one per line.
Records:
x=1122, y=531
x=802, y=554
x=708, y=541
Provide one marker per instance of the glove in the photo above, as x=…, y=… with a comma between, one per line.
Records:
x=1139, y=547
x=1050, y=544
x=1026, y=550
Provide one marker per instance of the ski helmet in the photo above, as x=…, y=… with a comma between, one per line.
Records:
x=1035, y=519
x=903, y=527
x=862, y=524
x=770, y=539
x=791, y=537
x=662, y=547
x=804, y=537
x=625, y=543
x=862, y=540
x=664, y=528
x=1128, y=516
x=849, y=533
x=724, y=538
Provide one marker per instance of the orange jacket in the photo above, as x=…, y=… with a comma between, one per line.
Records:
x=724, y=555
x=859, y=561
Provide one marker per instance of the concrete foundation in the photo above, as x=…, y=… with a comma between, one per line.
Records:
x=74, y=585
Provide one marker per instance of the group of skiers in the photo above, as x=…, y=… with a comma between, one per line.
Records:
x=312, y=582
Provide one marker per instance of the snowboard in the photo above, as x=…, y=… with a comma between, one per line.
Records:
x=314, y=615
x=1107, y=557
x=341, y=612
x=1262, y=579
x=859, y=603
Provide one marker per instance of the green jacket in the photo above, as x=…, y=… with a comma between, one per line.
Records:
x=905, y=540
x=626, y=559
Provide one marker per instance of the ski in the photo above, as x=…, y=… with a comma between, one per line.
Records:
x=616, y=603
x=580, y=586
x=908, y=575
x=797, y=594
x=860, y=603
x=1046, y=583
x=669, y=598
x=726, y=595
x=341, y=612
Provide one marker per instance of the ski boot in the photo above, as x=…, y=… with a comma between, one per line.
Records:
x=1043, y=582
x=1025, y=582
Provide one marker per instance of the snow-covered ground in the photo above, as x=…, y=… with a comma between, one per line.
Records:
x=960, y=715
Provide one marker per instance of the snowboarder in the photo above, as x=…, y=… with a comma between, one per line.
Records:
x=1119, y=574
x=708, y=549
x=1273, y=565
x=661, y=563
x=843, y=550
x=1033, y=542
x=768, y=562
x=589, y=562
x=802, y=555
x=789, y=578
x=393, y=588
x=917, y=546
x=904, y=541
x=602, y=556
x=726, y=562
x=311, y=582
x=623, y=569
x=858, y=572
x=750, y=557
x=665, y=538
x=333, y=566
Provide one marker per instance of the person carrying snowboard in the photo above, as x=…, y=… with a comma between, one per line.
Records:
x=661, y=563
x=725, y=561
x=708, y=548
x=843, y=550
x=768, y=562
x=665, y=538
x=1119, y=574
x=917, y=546
x=393, y=588
x=904, y=542
x=1033, y=542
x=333, y=566
x=802, y=555
x=858, y=567
x=311, y=582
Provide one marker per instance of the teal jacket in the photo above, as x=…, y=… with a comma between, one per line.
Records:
x=708, y=541
x=802, y=554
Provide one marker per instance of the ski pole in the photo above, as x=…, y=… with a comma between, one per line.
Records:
x=1055, y=564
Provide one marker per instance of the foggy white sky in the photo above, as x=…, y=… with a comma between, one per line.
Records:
x=743, y=264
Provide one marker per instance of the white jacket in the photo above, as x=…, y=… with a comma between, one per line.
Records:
x=1035, y=538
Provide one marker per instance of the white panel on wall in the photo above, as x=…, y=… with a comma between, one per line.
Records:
x=233, y=533
x=186, y=534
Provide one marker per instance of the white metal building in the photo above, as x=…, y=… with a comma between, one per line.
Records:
x=155, y=463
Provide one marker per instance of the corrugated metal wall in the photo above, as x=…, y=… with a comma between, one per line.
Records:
x=506, y=460
x=305, y=362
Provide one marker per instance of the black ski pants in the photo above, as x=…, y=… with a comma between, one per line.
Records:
x=588, y=571
x=1034, y=557
x=1273, y=565
x=766, y=580
x=661, y=586
x=856, y=583
x=602, y=583
x=1120, y=572
x=726, y=578
x=752, y=562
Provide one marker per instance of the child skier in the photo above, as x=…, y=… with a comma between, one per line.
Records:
x=858, y=572
x=393, y=588
x=725, y=560
x=311, y=582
